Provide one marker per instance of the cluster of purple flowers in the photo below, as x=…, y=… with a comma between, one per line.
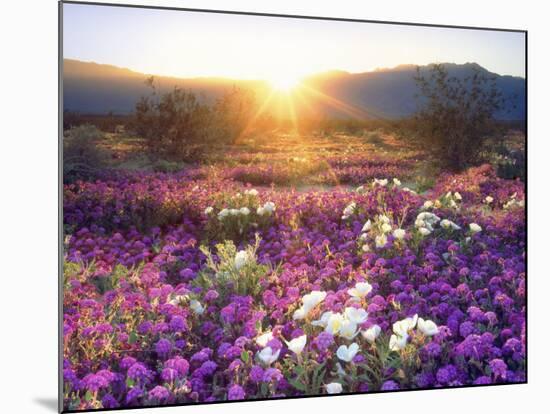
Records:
x=132, y=335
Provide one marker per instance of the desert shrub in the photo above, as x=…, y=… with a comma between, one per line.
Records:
x=232, y=113
x=82, y=156
x=173, y=124
x=457, y=114
x=177, y=126
x=373, y=137
x=108, y=122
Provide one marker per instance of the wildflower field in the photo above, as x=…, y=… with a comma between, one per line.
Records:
x=290, y=267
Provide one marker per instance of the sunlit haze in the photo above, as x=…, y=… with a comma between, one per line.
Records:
x=278, y=50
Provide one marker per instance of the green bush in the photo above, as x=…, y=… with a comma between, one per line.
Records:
x=373, y=137
x=82, y=156
x=178, y=126
x=457, y=114
x=172, y=124
x=232, y=114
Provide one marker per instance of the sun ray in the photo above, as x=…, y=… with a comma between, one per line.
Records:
x=253, y=119
x=298, y=94
x=355, y=111
x=292, y=112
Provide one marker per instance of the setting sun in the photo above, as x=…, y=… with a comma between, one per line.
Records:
x=285, y=83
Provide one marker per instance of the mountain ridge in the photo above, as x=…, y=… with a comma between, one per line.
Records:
x=96, y=88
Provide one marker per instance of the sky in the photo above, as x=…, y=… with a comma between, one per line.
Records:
x=198, y=44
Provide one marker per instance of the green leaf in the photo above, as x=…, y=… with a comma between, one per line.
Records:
x=318, y=368
x=245, y=357
x=318, y=380
x=132, y=338
x=89, y=396
x=297, y=384
x=299, y=369
x=130, y=382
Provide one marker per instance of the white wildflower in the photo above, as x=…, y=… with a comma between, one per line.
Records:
x=223, y=214
x=372, y=333
x=367, y=226
x=381, y=240
x=323, y=320
x=380, y=182
x=241, y=258
x=347, y=353
x=397, y=343
x=360, y=290
x=348, y=330
x=427, y=327
x=196, y=307
x=448, y=224
x=386, y=228
x=299, y=314
x=252, y=192
x=313, y=299
x=333, y=388
x=399, y=234
x=297, y=345
x=309, y=301
x=269, y=207
x=349, y=210
x=383, y=219
x=424, y=231
x=403, y=326
x=355, y=315
x=334, y=323
x=475, y=228
x=267, y=356
x=264, y=338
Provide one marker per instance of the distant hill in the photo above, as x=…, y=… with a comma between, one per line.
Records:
x=93, y=88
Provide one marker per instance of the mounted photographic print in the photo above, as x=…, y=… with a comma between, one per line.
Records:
x=261, y=206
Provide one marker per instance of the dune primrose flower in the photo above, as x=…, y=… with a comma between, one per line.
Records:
x=347, y=353
x=333, y=388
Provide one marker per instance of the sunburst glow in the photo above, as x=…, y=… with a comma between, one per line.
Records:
x=284, y=83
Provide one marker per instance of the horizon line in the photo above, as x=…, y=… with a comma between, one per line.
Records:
x=225, y=77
